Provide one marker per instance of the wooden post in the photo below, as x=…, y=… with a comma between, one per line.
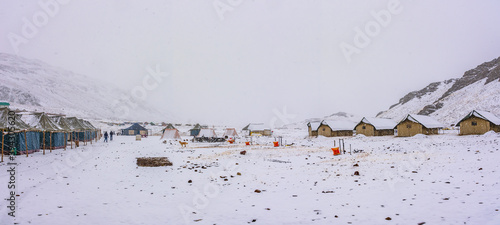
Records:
x=50, y=141
x=43, y=133
x=71, y=139
x=3, y=137
x=65, y=140
x=26, y=143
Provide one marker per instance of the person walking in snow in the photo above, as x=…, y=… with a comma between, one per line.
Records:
x=111, y=135
x=105, y=136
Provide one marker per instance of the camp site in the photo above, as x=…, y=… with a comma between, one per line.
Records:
x=234, y=112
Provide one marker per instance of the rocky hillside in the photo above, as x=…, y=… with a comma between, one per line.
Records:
x=36, y=86
x=449, y=100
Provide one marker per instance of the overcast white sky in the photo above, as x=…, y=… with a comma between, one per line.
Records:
x=261, y=55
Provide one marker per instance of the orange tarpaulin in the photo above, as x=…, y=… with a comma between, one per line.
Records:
x=336, y=151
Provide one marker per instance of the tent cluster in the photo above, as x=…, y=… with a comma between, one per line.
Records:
x=475, y=122
x=199, y=133
x=40, y=131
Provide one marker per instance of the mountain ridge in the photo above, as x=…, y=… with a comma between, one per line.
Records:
x=33, y=85
x=478, y=88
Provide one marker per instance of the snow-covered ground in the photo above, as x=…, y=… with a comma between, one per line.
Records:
x=443, y=179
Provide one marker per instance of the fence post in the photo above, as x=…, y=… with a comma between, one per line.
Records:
x=26, y=143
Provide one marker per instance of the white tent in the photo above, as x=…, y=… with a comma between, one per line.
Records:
x=170, y=134
x=207, y=133
x=230, y=132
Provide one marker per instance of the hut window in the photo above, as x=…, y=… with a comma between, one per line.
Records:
x=408, y=126
x=364, y=127
x=323, y=129
x=474, y=123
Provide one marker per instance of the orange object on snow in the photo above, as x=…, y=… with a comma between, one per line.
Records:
x=247, y=143
x=276, y=144
x=231, y=141
x=336, y=151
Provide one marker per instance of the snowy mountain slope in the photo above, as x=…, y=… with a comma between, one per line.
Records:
x=450, y=100
x=339, y=116
x=34, y=85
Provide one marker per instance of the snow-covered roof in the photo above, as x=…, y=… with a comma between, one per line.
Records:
x=426, y=121
x=4, y=121
x=314, y=125
x=41, y=121
x=170, y=134
x=483, y=115
x=379, y=123
x=230, y=132
x=339, y=125
x=206, y=132
x=256, y=127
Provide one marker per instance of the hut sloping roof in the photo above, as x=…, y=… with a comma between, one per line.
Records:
x=426, y=121
x=339, y=125
x=483, y=115
x=205, y=132
x=4, y=121
x=379, y=123
x=41, y=121
x=314, y=125
x=256, y=127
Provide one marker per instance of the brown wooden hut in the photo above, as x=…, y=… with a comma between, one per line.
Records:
x=418, y=124
x=312, y=128
x=479, y=122
x=336, y=128
x=375, y=127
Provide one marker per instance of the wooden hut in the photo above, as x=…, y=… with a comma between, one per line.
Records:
x=412, y=124
x=257, y=129
x=336, y=128
x=312, y=128
x=479, y=122
x=375, y=127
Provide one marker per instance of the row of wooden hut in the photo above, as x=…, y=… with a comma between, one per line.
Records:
x=475, y=122
x=33, y=132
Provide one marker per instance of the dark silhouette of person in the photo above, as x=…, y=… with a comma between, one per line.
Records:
x=105, y=136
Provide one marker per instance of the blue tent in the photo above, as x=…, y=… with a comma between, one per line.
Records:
x=135, y=129
x=26, y=138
